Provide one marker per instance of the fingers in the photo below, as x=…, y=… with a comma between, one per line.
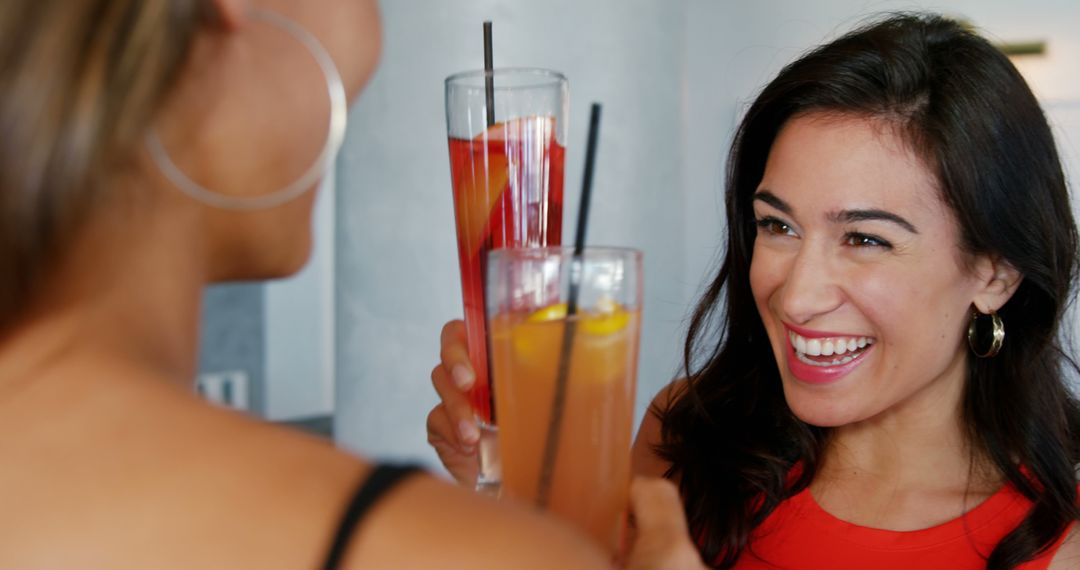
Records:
x=461, y=463
x=663, y=540
x=452, y=378
x=453, y=331
x=454, y=354
x=440, y=428
x=455, y=423
x=451, y=427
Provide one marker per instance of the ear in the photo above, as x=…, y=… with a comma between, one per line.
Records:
x=998, y=280
x=229, y=14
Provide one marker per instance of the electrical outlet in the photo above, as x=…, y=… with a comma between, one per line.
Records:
x=227, y=389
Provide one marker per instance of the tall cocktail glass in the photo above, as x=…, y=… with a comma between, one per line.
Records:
x=506, y=166
x=577, y=463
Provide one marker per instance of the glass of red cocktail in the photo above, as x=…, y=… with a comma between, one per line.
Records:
x=507, y=131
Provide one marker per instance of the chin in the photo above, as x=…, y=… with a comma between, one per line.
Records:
x=267, y=263
x=283, y=257
x=821, y=410
x=285, y=264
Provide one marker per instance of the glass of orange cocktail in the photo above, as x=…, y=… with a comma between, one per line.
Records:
x=507, y=131
x=568, y=452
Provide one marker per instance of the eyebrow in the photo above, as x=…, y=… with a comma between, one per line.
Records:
x=843, y=216
x=772, y=200
x=849, y=216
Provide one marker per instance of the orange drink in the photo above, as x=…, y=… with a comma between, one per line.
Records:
x=588, y=480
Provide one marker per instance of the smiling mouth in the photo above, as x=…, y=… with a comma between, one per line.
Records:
x=830, y=351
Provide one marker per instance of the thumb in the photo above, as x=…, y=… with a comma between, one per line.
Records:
x=663, y=540
x=657, y=507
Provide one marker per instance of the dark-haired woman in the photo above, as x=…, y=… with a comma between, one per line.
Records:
x=881, y=384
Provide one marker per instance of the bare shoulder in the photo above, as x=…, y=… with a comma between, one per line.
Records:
x=1068, y=555
x=428, y=523
x=142, y=475
x=644, y=457
x=422, y=522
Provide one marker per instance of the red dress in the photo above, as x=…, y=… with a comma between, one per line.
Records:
x=800, y=534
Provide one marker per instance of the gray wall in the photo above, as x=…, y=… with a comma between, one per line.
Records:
x=232, y=336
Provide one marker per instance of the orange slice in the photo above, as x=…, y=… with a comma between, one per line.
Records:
x=487, y=174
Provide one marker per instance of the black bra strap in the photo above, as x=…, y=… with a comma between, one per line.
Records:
x=381, y=480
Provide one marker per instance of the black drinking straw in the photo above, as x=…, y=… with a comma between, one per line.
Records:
x=558, y=403
x=489, y=102
x=489, y=80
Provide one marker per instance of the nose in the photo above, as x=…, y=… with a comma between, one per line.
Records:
x=812, y=286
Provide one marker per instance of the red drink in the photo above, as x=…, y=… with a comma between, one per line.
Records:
x=508, y=192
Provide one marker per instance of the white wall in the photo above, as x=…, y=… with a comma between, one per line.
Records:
x=673, y=75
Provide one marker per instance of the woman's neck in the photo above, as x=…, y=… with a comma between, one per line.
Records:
x=908, y=468
x=128, y=291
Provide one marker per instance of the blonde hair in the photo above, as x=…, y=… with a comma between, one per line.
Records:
x=79, y=84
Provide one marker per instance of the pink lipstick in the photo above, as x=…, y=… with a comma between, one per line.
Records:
x=817, y=357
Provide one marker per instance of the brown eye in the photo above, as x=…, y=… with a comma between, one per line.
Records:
x=866, y=240
x=774, y=226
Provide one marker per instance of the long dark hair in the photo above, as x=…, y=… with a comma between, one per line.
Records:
x=729, y=435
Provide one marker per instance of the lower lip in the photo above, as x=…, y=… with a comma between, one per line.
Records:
x=811, y=374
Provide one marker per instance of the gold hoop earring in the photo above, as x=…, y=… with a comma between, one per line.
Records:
x=998, y=334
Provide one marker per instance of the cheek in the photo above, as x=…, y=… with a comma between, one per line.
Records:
x=767, y=273
x=884, y=298
x=759, y=276
x=912, y=307
x=883, y=284
x=364, y=37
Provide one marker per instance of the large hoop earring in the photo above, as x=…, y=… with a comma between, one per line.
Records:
x=307, y=180
x=998, y=334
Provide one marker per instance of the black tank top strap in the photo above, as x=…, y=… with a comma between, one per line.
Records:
x=381, y=480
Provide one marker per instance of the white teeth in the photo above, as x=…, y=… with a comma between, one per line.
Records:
x=828, y=347
x=835, y=362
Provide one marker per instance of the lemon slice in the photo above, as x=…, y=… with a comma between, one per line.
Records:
x=607, y=318
x=549, y=313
